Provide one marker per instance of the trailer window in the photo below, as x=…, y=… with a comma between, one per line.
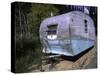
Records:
x=51, y=32
x=85, y=21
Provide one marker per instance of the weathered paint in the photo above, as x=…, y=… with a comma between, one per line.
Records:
x=71, y=38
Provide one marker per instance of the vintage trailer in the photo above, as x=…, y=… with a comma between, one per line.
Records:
x=67, y=34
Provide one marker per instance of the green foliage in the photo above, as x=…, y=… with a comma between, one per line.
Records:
x=40, y=12
x=43, y=11
x=23, y=63
x=27, y=20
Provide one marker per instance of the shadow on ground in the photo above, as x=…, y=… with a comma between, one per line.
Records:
x=75, y=58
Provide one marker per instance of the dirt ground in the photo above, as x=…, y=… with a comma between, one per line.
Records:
x=87, y=61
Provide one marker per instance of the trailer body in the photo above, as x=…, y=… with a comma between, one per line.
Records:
x=68, y=34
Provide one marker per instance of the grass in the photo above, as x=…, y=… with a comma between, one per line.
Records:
x=28, y=53
x=23, y=63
